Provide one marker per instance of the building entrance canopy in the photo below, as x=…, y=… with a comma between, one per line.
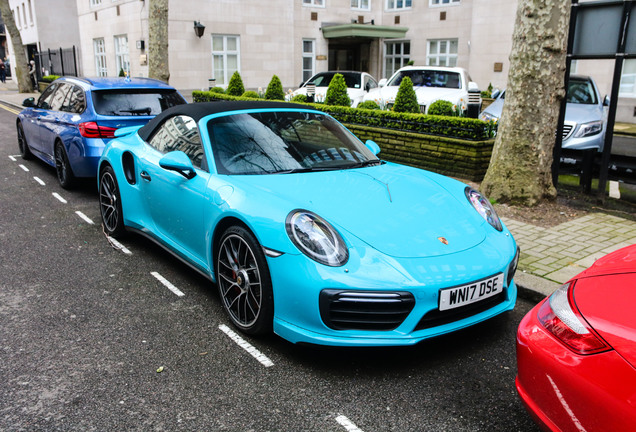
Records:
x=368, y=31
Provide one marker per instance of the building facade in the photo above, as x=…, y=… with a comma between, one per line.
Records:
x=296, y=38
x=45, y=25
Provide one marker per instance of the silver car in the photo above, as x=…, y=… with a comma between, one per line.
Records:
x=585, y=114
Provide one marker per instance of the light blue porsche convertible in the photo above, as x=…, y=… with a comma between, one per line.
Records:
x=302, y=228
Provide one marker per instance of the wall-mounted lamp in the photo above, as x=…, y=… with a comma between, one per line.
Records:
x=198, y=28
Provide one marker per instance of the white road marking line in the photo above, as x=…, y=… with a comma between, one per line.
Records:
x=24, y=168
x=167, y=284
x=262, y=358
x=614, y=191
x=57, y=195
x=13, y=158
x=119, y=246
x=86, y=218
x=347, y=424
x=39, y=180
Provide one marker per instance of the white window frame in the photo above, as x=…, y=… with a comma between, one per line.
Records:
x=402, y=59
x=451, y=58
x=16, y=17
x=309, y=55
x=99, y=49
x=224, y=53
x=397, y=5
x=122, y=53
x=30, y=13
x=358, y=5
x=314, y=3
x=95, y=3
x=443, y=3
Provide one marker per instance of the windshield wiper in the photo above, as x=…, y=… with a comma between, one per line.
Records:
x=146, y=111
x=306, y=169
x=365, y=163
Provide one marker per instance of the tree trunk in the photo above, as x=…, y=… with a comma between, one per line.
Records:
x=21, y=60
x=158, y=66
x=520, y=167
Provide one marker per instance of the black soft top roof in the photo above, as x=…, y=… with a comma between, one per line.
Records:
x=199, y=110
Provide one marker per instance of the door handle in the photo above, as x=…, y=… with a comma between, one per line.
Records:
x=144, y=175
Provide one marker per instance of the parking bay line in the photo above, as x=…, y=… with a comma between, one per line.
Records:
x=59, y=197
x=167, y=284
x=84, y=217
x=39, y=180
x=347, y=424
x=13, y=158
x=118, y=245
x=260, y=357
x=25, y=169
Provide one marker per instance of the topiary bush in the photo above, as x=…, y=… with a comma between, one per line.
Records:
x=251, y=94
x=442, y=108
x=217, y=90
x=371, y=105
x=235, y=87
x=406, y=99
x=301, y=98
x=337, y=92
x=275, y=90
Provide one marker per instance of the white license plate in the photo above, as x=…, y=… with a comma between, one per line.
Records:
x=451, y=298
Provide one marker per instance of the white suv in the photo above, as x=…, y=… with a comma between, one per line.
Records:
x=431, y=83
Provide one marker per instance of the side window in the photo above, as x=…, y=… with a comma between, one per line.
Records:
x=180, y=133
x=58, y=97
x=44, y=101
x=75, y=101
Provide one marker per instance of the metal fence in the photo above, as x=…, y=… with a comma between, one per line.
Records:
x=57, y=62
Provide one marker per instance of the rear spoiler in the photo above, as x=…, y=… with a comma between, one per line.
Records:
x=127, y=130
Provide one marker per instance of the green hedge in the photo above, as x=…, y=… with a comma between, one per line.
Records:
x=49, y=78
x=454, y=127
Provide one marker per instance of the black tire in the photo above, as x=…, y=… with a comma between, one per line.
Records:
x=244, y=282
x=63, y=168
x=110, y=204
x=25, y=151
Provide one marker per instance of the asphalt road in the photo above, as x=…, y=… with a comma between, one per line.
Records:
x=85, y=328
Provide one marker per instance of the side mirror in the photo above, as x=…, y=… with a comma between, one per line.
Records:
x=29, y=102
x=373, y=147
x=606, y=101
x=382, y=82
x=495, y=93
x=179, y=162
x=473, y=87
x=367, y=87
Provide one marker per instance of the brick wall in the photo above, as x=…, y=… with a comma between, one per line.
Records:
x=453, y=157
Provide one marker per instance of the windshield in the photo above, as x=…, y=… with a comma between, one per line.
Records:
x=323, y=79
x=143, y=102
x=284, y=142
x=428, y=78
x=581, y=91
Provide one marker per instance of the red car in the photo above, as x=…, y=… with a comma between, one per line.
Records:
x=576, y=350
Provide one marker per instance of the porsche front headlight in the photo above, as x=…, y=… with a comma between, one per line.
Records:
x=316, y=238
x=483, y=207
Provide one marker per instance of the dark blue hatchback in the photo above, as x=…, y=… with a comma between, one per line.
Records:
x=70, y=124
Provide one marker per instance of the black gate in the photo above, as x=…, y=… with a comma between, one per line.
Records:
x=57, y=62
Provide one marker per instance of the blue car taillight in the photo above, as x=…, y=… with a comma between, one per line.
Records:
x=93, y=130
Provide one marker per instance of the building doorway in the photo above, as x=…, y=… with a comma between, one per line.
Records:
x=351, y=55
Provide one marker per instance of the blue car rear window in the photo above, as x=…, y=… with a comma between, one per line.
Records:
x=133, y=102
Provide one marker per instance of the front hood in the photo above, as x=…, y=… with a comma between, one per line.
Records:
x=607, y=302
x=583, y=113
x=400, y=211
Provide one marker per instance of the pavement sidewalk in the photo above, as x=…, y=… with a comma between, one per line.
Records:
x=549, y=256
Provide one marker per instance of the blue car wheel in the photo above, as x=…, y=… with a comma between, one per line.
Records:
x=110, y=204
x=244, y=283
x=25, y=152
x=63, y=167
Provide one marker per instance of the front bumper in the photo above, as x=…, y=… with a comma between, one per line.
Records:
x=299, y=284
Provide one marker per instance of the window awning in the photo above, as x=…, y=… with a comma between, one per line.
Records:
x=363, y=31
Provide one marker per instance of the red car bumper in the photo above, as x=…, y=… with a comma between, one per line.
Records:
x=564, y=391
